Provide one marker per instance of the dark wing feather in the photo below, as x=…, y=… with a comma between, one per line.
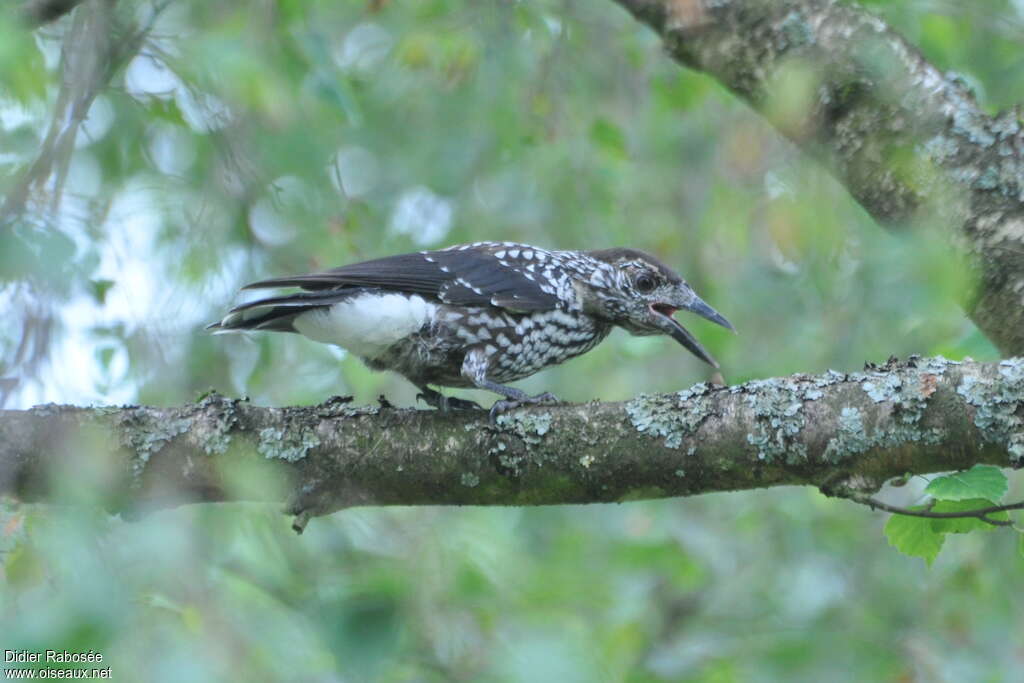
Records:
x=301, y=299
x=278, y=312
x=472, y=276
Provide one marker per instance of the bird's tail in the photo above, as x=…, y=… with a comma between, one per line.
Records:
x=277, y=313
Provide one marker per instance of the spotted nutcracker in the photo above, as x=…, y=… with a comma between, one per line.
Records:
x=478, y=315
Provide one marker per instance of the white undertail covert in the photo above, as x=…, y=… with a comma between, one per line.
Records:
x=367, y=324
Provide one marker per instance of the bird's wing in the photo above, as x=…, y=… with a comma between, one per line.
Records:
x=469, y=275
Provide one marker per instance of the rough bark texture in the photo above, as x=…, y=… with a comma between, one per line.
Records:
x=909, y=142
x=832, y=430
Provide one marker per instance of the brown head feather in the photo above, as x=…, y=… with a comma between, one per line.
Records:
x=618, y=255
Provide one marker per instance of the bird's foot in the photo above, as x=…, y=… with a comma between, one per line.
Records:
x=453, y=403
x=446, y=403
x=507, y=404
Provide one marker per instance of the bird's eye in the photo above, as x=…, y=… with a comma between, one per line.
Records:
x=645, y=284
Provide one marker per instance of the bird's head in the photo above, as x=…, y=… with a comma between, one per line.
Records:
x=641, y=294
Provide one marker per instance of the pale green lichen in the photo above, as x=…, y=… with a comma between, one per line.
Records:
x=908, y=389
x=511, y=462
x=530, y=426
x=884, y=387
x=940, y=148
x=794, y=31
x=1004, y=175
x=507, y=459
x=672, y=416
x=145, y=433
x=217, y=437
x=850, y=438
x=777, y=405
x=218, y=442
x=970, y=124
x=286, y=444
x=997, y=403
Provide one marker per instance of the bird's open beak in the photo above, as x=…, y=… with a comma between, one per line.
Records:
x=661, y=317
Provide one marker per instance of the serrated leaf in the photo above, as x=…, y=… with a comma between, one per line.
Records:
x=962, y=525
x=914, y=536
x=981, y=481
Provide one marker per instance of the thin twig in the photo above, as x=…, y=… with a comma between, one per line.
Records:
x=980, y=513
x=94, y=48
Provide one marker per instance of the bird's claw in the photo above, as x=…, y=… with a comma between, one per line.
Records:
x=507, y=404
x=446, y=403
x=452, y=403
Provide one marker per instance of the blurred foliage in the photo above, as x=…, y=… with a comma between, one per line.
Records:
x=244, y=140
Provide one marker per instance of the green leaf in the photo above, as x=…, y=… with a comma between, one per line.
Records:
x=24, y=566
x=99, y=289
x=981, y=481
x=914, y=536
x=1020, y=545
x=104, y=355
x=963, y=525
x=608, y=137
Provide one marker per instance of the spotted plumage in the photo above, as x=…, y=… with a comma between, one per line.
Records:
x=478, y=315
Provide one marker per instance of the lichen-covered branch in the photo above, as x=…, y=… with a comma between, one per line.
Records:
x=908, y=141
x=832, y=431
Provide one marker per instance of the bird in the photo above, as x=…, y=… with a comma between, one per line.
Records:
x=478, y=315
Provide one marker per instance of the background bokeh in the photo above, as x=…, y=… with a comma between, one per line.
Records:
x=224, y=142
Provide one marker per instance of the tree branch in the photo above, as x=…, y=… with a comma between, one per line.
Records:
x=909, y=142
x=39, y=12
x=93, y=49
x=835, y=431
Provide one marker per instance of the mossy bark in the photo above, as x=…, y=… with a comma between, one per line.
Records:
x=835, y=429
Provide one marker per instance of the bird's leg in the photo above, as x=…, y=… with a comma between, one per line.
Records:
x=444, y=403
x=513, y=398
x=474, y=368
